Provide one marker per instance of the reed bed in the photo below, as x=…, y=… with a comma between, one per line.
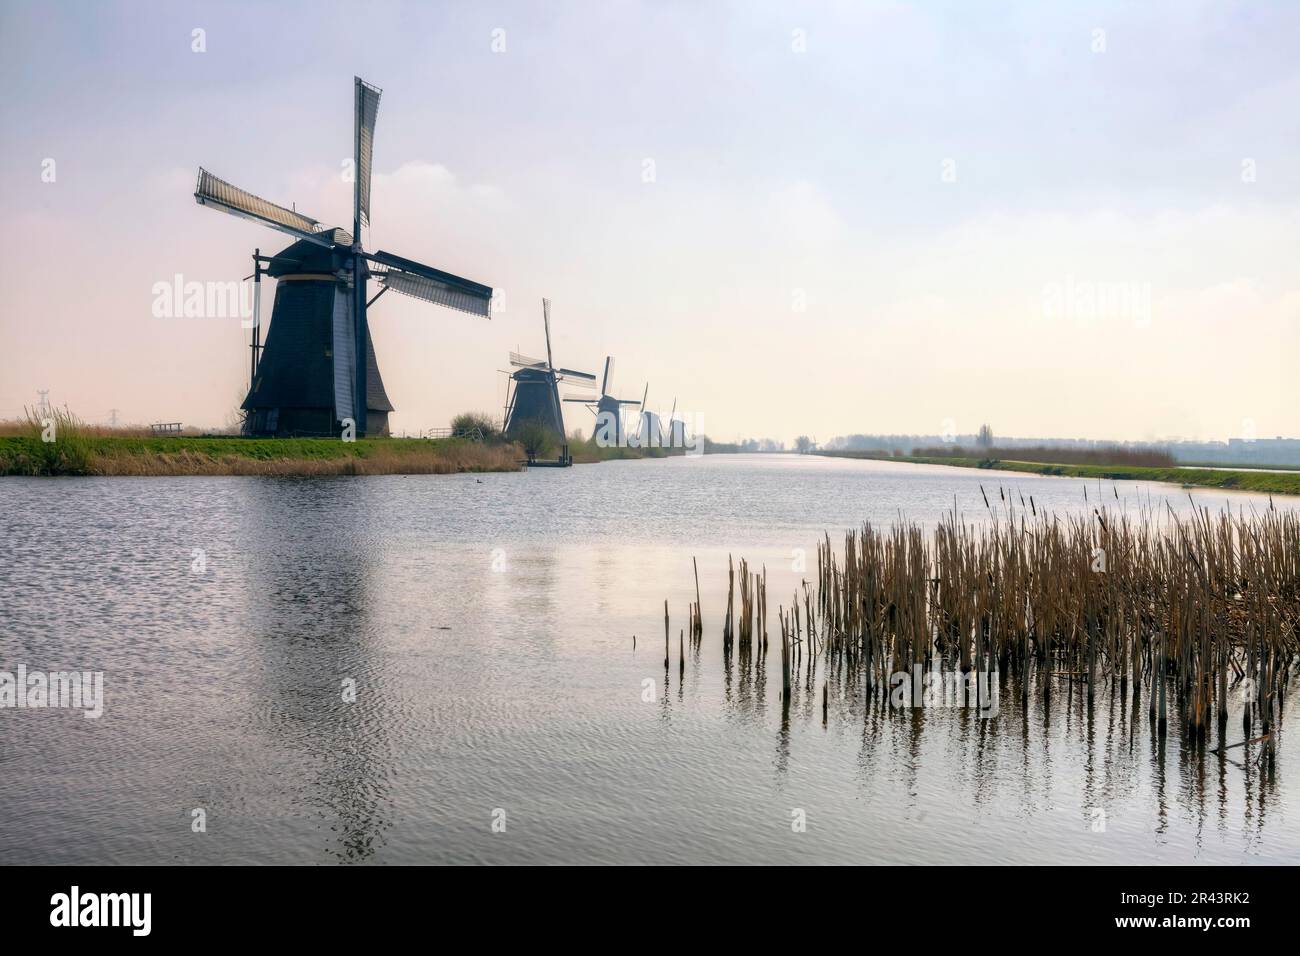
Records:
x=1177, y=611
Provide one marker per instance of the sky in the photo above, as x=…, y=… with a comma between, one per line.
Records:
x=1064, y=220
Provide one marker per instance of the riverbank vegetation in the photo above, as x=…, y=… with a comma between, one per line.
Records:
x=585, y=450
x=1104, y=455
x=1262, y=482
x=588, y=452
x=67, y=447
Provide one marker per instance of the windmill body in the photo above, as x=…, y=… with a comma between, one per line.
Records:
x=309, y=380
x=535, y=388
x=647, y=432
x=536, y=399
x=305, y=379
x=610, y=409
x=651, y=433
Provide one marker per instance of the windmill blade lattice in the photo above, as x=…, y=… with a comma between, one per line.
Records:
x=216, y=192
x=365, y=114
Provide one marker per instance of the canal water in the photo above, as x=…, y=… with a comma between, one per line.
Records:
x=458, y=669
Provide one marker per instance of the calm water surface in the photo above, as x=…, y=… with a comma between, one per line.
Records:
x=488, y=624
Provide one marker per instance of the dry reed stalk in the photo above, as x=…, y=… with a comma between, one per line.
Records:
x=1198, y=603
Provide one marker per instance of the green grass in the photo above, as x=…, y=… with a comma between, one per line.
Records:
x=115, y=455
x=262, y=449
x=1276, y=483
x=1249, y=466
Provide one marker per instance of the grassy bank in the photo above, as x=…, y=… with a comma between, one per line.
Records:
x=1245, y=480
x=587, y=453
x=90, y=454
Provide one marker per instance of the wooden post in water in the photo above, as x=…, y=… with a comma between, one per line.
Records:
x=1121, y=656
x=1137, y=670
x=1153, y=693
x=1250, y=676
x=785, y=662
x=1161, y=718
x=1093, y=637
x=699, y=625
x=1221, y=692
x=731, y=596
x=665, y=634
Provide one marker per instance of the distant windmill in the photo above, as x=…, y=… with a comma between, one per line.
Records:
x=607, y=409
x=535, y=393
x=308, y=379
x=676, y=429
x=649, y=427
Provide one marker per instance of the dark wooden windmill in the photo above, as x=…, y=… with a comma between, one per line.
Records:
x=307, y=379
x=535, y=388
x=608, y=409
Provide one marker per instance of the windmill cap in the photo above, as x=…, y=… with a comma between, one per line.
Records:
x=304, y=256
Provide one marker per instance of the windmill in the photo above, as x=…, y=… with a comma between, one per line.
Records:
x=676, y=429
x=535, y=395
x=649, y=427
x=308, y=380
x=607, y=409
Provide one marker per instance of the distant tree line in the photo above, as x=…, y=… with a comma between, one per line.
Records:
x=748, y=445
x=1281, y=452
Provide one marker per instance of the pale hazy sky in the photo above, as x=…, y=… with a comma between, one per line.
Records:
x=939, y=186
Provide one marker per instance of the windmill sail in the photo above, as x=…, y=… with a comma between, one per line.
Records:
x=365, y=114
x=219, y=194
x=519, y=360
x=546, y=321
x=430, y=290
x=432, y=285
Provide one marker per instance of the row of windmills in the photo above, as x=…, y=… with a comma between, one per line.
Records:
x=533, y=395
x=316, y=373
